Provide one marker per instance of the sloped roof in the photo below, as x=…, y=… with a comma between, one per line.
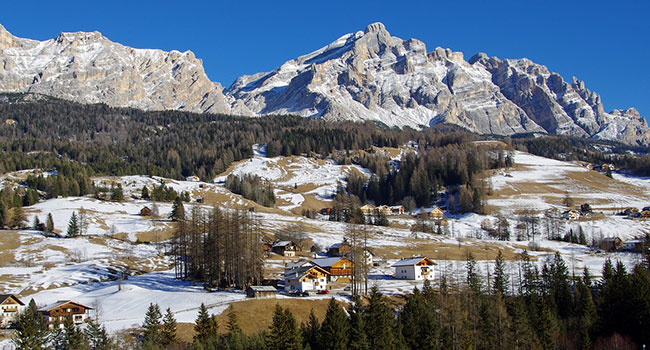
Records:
x=302, y=271
x=63, y=302
x=4, y=297
x=282, y=244
x=326, y=262
x=263, y=288
x=411, y=261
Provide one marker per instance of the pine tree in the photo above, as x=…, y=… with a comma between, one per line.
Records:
x=36, y=222
x=18, y=218
x=473, y=277
x=205, y=328
x=168, y=329
x=151, y=335
x=358, y=337
x=310, y=332
x=49, y=225
x=117, y=194
x=235, y=338
x=500, y=278
x=97, y=336
x=178, y=210
x=31, y=331
x=380, y=323
x=334, y=331
x=73, y=226
x=73, y=339
x=283, y=332
x=145, y=192
x=418, y=322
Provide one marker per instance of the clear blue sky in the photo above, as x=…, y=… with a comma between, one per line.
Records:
x=604, y=43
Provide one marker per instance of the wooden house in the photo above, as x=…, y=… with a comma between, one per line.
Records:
x=418, y=269
x=193, y=178
x=384, y=210
x=266, y=247
x=645, y=214
x=305, y=279
x=10, y=308
x=261, y=292
x=339, y=249
x=397, y=209
x=325, y=211
x=338, y=268
x=146, y=211
x=611, y=244
x=436, y=214
x=284, y=248
x=368, y=209
x=56, y=313
x=368, y=257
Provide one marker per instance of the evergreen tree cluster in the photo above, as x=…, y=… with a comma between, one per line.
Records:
x=252, y=187
x=441, y=162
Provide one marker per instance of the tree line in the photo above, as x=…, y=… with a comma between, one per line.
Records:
x=220, y=248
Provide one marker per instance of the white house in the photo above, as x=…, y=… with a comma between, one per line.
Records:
x=417, y=269
x=305, y=278
x=10, y=308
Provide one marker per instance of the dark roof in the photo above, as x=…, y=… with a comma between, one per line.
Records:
x=4, y=297
x=63, y=302
x=263, y=288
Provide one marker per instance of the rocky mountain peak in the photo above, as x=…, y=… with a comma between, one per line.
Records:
x=6, y=39
x=83, y=37
x=366, y=75
x=376, y=27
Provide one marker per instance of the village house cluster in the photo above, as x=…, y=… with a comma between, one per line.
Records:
x=317, y=276
x=54, y=314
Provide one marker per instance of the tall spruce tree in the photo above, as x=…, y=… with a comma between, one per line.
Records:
x=49, y=223
x=334, y=332
x=74, y=338
x=31, y=331
x=284, y=332
x=178, y=210
x=168, y=329
x=310, y=332
x=151, y=335
x=500, y=284
x=358, y=337
x=97, y=336
x=73, y=226
x=205, y=329
x=381, y=326
x=234, y=338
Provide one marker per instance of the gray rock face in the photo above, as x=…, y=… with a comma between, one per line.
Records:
x=367, y=75
x=371, y=75
x=88, y=68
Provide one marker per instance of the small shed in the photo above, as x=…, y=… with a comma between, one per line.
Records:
x=146, y=211
x=339, y=249
x=611, y=244
x=261, y=292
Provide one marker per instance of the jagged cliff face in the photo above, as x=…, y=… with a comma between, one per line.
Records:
x=368, y=75
x=371, y=75
x=88, y=68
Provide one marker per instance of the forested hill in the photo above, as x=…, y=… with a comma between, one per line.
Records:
x=121, y=141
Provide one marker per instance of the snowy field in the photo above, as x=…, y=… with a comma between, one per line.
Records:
x=84, y=268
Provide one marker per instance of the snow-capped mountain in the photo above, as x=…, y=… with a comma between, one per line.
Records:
x=367, y=75
x=89, y=68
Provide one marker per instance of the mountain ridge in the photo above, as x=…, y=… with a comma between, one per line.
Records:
x=366, y=75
